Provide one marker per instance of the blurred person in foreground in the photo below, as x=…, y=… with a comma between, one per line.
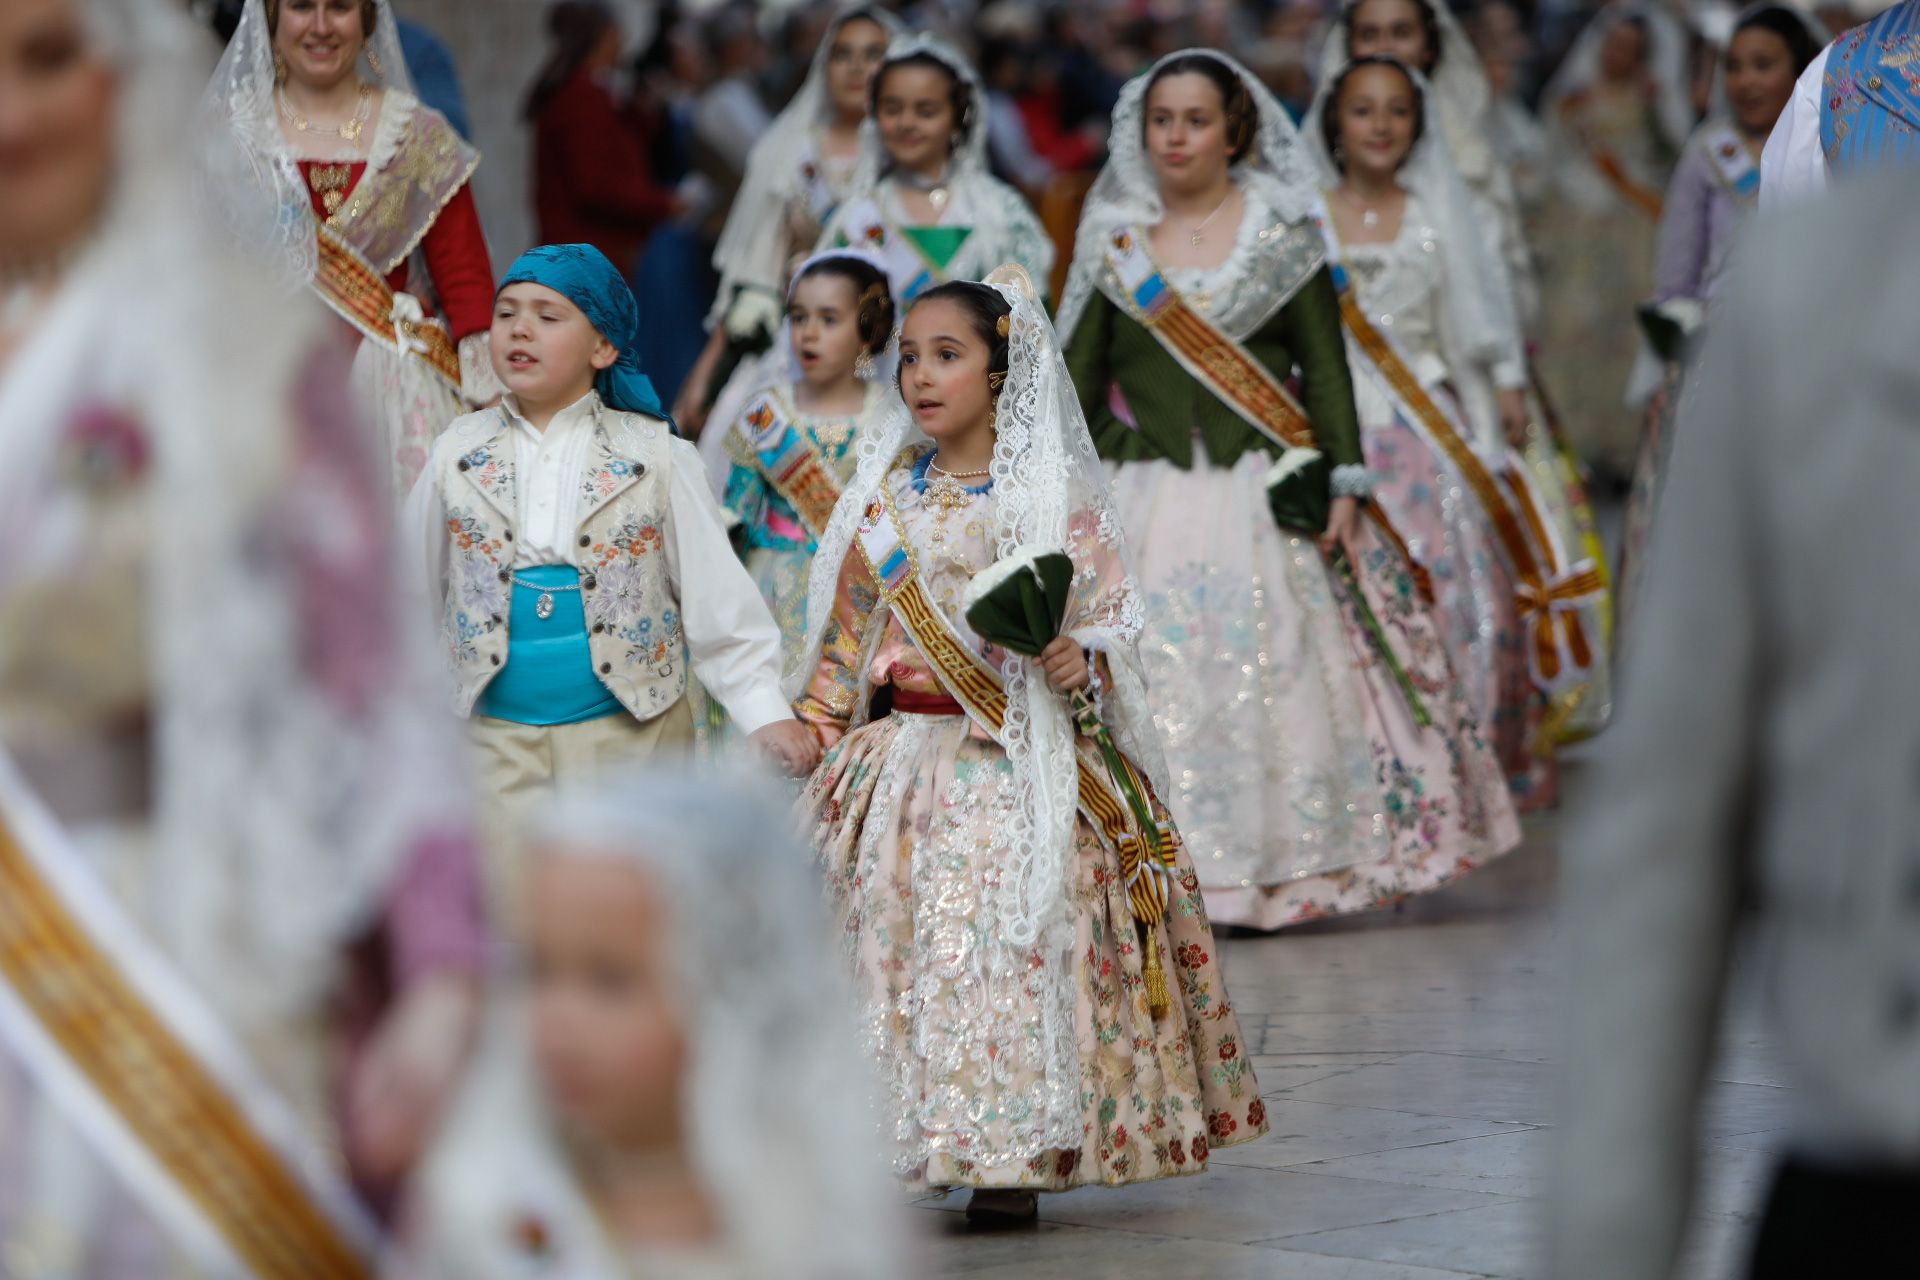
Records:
x=226, y=816
x=1761, y=776
x=673, y=1087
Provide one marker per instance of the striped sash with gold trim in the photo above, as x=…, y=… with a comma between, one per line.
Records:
x=181, y=1118
x=360, y=295
x=954, y=654
x=1549, y=594
x=1223, y=366
x=792, y=465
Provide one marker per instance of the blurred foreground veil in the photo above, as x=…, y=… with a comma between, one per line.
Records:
x=1763, y=777
x=771, y=1104
x=222, y=769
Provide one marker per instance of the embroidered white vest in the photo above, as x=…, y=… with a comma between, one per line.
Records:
x=633, y=618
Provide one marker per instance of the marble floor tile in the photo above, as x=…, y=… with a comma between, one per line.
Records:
x=1493, y=1240
x=1304, y=1132
x=1442, y=1084
x=1241, y=1204
x=1057, y=1252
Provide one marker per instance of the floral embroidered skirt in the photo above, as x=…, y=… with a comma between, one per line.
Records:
x=1303, y=784
x=1449, y=533
x=908, y=815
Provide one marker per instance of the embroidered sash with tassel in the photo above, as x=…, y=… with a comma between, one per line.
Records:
x=1549, y=594
x=791, y=464
x=145, y=1072
x=360, y=295
x=1223, y=366
x=951, y=649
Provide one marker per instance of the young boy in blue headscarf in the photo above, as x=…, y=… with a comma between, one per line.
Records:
x=577, y=557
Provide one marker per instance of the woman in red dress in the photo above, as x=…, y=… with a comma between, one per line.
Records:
x=374, y=210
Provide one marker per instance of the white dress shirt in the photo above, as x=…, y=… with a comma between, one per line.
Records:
x=732, y=640
x=1793, y=165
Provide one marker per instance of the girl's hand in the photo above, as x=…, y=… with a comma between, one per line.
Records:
x=1514, y=417
x=1343, y=523
x=791, y=745
x=1065, y=663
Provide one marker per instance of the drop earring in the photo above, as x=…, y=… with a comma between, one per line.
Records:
x=863, y=365
x=373, y=60
x=279, y=69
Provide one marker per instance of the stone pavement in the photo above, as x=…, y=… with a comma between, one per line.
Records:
x=1406, y=1062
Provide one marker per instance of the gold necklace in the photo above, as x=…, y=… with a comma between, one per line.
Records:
x=348, y=132
x=947, y=492
x=1197, y=234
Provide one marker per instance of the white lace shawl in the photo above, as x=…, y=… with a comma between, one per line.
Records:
x=1050, y=491
x=779, y=1106
x=253, y=180
x=1479, y=329
x=280, y=811
x=747, y=253
x=1005, y=227
x=1127, y=194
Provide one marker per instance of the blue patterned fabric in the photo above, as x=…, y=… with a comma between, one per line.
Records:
x=1870, y=101
x=549, y=677
x=583, y=275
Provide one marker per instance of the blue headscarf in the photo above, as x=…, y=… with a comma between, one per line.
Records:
x=581, y=274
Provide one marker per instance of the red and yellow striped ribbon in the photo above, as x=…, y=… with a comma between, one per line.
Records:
x=167, y=1099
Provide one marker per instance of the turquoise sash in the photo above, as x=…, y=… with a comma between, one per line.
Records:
x=548, y=679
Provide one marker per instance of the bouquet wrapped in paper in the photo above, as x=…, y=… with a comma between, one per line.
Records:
x=1300, y=494
x=1020, y=604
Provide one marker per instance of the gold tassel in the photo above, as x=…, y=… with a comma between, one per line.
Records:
x=1158, y=1001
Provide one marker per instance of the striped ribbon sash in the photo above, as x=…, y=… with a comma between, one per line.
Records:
x=1221, y=365
x=792, y=465
x=1549, y=594
x=953, y=651
x=144, y=1070
x=360, y=295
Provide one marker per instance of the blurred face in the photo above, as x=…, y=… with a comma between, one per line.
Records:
x=544, y=348
x=1623, y=52
x=1377, y=112
x=826, y=329
x=57, y=98
x=1759, y=78
x=1187, y=133
x=609, y=1037
x=943, y=371
x=320, y=40
x=916, y=117
x=854, y=56
x=1391, y=29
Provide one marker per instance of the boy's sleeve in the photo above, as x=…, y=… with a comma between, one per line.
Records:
x=732, y=638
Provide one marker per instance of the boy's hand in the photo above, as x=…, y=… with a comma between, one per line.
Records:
x=791, y=744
